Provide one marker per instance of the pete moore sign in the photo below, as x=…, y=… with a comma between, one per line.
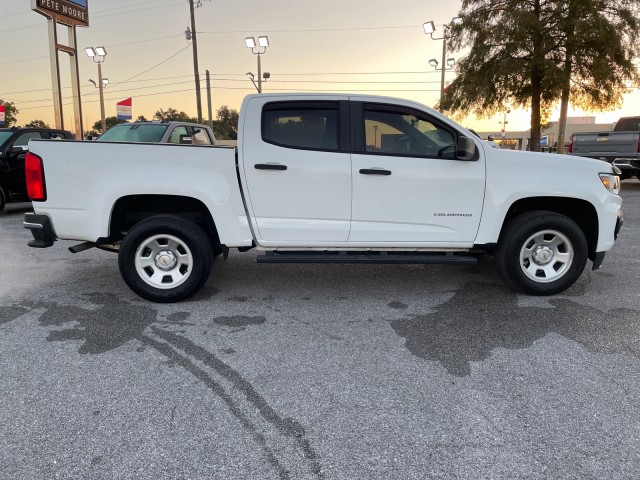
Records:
x=68, y=12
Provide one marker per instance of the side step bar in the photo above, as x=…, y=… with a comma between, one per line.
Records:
x=369, y=257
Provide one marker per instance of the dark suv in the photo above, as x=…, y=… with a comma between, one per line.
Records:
x=13, y=149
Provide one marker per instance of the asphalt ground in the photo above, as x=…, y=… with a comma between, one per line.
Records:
x=317, y=371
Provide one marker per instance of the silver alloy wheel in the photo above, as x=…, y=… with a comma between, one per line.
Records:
x=546, y=256
x=164, y=261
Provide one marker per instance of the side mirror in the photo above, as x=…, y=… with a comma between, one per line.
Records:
x=490, y=138
x=465, y=149
x=186, y=139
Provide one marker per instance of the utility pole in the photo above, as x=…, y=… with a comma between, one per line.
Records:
x=196, y=72
x=209, y=100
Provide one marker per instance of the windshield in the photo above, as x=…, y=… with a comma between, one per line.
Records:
x=133, y=133
x=4, y=136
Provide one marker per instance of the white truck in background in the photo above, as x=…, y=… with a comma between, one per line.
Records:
x=325, y=179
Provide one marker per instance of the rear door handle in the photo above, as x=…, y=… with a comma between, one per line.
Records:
x=270, y=166
x=374, y=171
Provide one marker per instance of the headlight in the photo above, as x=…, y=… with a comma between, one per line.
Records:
x=611, y=182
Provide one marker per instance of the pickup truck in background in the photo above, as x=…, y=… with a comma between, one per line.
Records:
x=325, y=179
x=620, y=147
x=13, y=150
x=182, y=133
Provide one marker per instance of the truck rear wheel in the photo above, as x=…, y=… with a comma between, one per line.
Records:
x=165, y=258
x=541, y=253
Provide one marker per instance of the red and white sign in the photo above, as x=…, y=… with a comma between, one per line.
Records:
x=124, y=109
x=1, y=115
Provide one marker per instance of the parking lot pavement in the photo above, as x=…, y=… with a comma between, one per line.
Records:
x=317, y=371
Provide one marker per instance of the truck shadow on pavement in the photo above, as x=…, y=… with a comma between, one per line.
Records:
x=455, y=338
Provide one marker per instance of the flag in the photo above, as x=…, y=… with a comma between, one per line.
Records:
x=1, y=115
x=124, y=109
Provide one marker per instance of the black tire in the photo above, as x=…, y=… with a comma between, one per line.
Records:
x=177, y=242
x=2, y=199
x=541, y=253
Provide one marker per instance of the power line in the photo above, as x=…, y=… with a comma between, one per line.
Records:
x=251, y=89
x=217, y=79
x=297, y=30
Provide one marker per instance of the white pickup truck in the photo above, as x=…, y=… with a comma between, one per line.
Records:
x=325, y=179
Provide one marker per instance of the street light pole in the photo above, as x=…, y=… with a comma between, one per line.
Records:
x=429, y=29
x=101, y=90
x=504, y=127
x=444, y=55
x=258, y=49
x=259, y=75
x=98, y=54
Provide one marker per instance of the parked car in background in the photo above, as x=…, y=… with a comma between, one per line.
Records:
x=13, y=148
x=621, y=147
x=160, y=132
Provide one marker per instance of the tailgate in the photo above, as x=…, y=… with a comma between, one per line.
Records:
x=606, y=144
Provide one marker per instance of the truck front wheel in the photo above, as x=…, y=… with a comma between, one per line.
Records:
x=165, y=258
x=541, y=253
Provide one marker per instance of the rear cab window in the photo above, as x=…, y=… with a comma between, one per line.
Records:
x=303, y=125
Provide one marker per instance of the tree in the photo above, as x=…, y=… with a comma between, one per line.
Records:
x=10, y=113
x=141, y=118
x=171, y=114
x=599, y=43
x=225, y=127
x=37, y=124
x=518, y=53
x=109, y=121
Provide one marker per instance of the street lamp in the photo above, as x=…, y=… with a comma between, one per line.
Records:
x=98, y=55
x=258, y=49
x=429, y=29
x=265, y=76
x=504, y=127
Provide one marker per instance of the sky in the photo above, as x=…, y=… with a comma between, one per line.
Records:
x=350, y=46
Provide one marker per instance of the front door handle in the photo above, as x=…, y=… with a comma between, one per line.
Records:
x=270, y=166
x=374, y=171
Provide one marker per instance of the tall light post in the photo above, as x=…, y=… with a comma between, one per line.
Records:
x=98, y=54
x=258, y=49
x=429, y=29
x=504, y=127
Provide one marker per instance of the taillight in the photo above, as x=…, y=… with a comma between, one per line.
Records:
x=571, y=144
x=35, y=178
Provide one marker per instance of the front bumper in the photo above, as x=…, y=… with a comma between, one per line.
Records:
x=41, y=229
x=598, y=257
x=619, y=223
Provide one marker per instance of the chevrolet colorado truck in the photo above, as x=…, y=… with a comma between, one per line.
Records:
x=325, y=179
x=620, y=147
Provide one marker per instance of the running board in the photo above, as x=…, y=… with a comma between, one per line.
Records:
x=368, y=257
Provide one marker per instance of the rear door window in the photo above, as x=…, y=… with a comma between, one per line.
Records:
x=312, y=126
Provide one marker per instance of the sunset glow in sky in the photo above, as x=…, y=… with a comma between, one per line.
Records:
x=374, y=46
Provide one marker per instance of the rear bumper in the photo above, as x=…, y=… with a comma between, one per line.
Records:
x=630, y=166
x=41, y=229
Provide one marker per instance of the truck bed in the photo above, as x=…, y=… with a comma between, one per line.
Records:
x=89, y=177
